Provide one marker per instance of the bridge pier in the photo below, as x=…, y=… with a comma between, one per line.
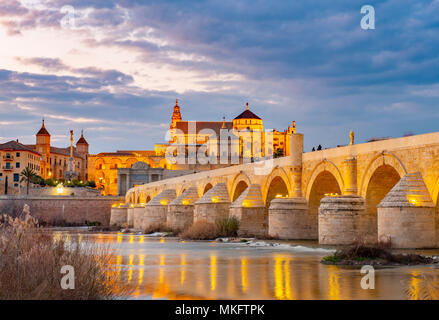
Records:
x=130, y=215
x=250, y=210
x=288, y=219
x=213, y=205
x=138, y=213
x=156, y=210
x=406, y=216
x=118, y=215
x=343, y=220
x=181, y=210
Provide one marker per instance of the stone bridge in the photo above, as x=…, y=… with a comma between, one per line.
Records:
x=282, y=196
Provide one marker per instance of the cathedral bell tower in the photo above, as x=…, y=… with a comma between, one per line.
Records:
x=176, y=115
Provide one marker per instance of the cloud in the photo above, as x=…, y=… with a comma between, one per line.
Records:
x=126, y=62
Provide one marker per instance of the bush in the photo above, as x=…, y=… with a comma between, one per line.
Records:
x=91, y=184
x=201, y=230
x=38, y=180
x=31, y=261
x=227, y=227
x=157, y=228
x=50, y=183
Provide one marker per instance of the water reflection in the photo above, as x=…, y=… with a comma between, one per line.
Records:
x=169, y=269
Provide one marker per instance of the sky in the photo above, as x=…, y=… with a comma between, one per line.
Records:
x=114, y=68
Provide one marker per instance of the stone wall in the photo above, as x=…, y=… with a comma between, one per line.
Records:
x=62, y=209
x=66, y=191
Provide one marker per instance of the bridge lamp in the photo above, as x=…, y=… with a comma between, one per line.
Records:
x=114, y=205
x=246, y=203
x=185, y=202
x=215, y=199
x=163, y=202
x=132, y=205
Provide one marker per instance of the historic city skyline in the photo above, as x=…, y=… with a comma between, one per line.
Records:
x=121, y=65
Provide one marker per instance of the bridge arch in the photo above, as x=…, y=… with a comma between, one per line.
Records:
x=239, y=184
x=206, y=188
x=277, y=183
x=330, y=168
x=325, y=182
x=383, y=159
x=435, y=194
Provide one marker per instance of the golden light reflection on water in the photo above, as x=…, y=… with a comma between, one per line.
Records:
x=212, y=273
x=334, y=283
x=414, y=286
x=186, y=273
x=244, y=279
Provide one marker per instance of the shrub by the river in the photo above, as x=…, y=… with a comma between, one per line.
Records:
x=31, y=262
x=204, y=230
x=227, y=227
x=378, y=254
x=200, y=230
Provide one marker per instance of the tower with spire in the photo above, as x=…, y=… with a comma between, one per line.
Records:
x=42, y=146
x=176, y=115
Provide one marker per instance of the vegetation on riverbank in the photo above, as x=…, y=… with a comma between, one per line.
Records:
x=380, y=255
x=31, y=262
x=204, y=230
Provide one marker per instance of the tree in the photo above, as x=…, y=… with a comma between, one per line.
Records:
x=27, y=175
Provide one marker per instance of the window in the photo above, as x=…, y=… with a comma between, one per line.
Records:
x=17, y=165
x=8, y=165
x=18, y=154
x=16, y=177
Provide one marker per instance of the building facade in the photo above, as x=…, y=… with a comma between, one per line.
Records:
x=54, y=160
x=14, y=157
x=45, y=160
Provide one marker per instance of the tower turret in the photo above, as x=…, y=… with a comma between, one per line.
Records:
x=82, y=144
x=176, y=115
x=42, y=146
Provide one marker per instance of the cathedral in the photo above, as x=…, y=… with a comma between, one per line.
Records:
x=245, y=140
x=241, y=139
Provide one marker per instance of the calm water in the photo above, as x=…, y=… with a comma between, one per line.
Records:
x=155, y=268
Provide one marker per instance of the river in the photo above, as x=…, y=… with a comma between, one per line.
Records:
x=166, y=268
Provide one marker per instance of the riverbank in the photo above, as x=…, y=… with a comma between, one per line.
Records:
x=376, y=255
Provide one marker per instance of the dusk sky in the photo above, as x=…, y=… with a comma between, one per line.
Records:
x=117, y=70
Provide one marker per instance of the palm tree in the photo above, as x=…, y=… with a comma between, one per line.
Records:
x=27, y=175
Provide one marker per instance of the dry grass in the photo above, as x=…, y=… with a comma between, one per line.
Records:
x=203, y=230
x=158, y=228
x=200, y=230
x=31, y=261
